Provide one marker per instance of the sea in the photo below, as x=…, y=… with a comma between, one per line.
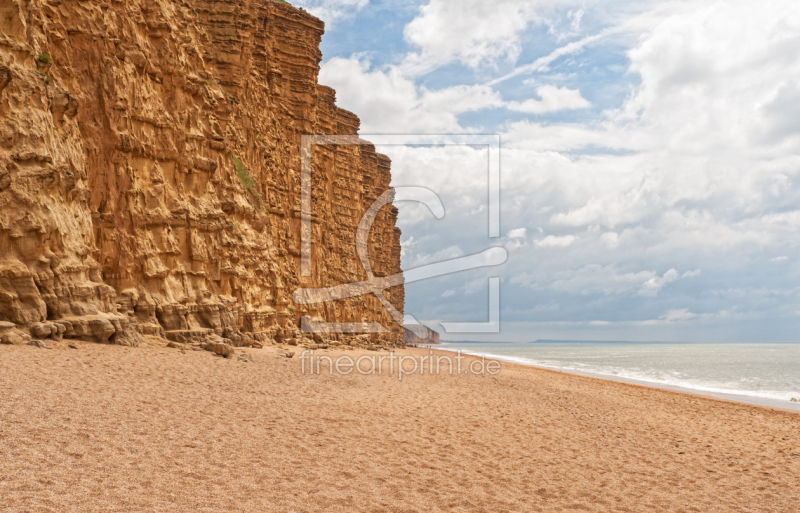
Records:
x=761, y=373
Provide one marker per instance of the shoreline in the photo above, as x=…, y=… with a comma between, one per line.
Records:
x=764, y=402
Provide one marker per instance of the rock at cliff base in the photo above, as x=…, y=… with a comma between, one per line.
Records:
x=224, y=350
x=10, y=335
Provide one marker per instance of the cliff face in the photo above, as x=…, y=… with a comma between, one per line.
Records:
x=150, y=175
x=410, y=338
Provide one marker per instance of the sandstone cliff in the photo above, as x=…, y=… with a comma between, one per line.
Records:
x=412, y=339
x=150, y=175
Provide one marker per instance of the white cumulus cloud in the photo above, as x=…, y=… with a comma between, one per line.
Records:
x=474, y=32
x=552, y=241
x=387, y=101
x=552, y=99
x=331, y=11
x=681, y=314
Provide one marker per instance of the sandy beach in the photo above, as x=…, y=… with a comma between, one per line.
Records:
x=108, y=428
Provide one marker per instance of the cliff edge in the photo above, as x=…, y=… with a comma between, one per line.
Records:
x=150, y=176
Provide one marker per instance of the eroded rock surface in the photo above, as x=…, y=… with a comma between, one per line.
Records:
x=150, y=175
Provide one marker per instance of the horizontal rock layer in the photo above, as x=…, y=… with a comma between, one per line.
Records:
x=150, y=175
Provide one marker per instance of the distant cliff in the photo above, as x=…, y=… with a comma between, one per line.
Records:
x=150, y=175
x=411, y=339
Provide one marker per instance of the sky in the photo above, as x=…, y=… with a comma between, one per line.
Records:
x=650, y=156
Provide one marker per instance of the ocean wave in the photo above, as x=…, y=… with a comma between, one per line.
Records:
x=652, y=376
